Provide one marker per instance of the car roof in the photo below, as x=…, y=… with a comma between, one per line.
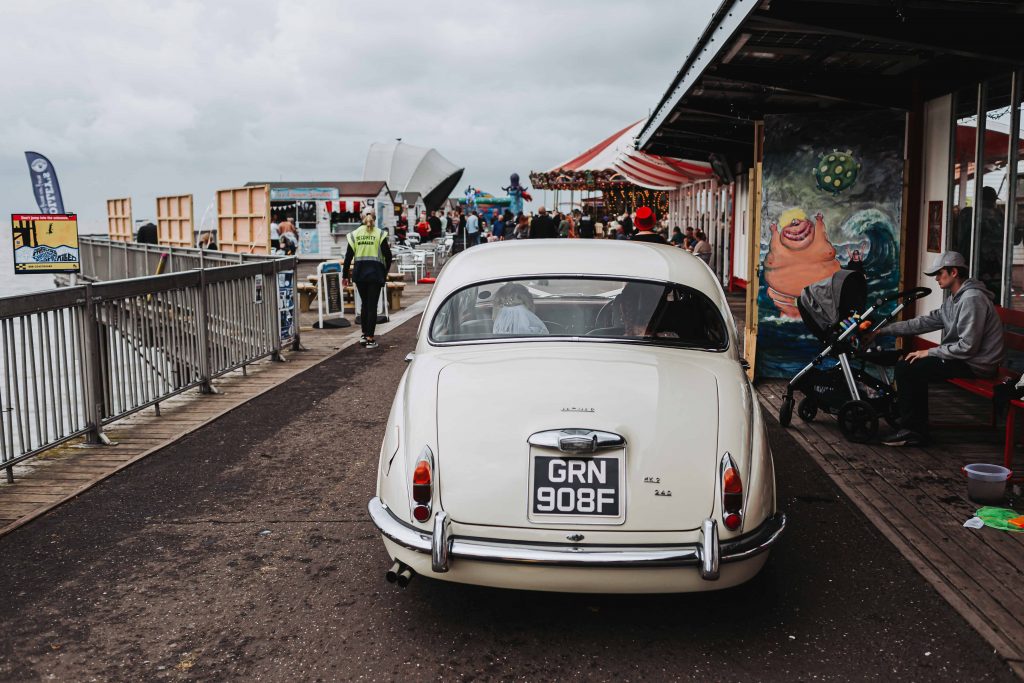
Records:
x=587, y=257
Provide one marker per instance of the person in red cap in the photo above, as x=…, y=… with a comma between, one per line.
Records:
x=644, y=222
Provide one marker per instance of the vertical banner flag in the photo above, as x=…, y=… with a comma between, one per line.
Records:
x=44, y=184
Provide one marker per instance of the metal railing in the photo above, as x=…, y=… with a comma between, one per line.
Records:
x=104, y=259
x=78, y=358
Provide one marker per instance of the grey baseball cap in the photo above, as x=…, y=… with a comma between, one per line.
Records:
x=947, y=259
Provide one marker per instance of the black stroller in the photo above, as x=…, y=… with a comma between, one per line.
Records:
x=833, y=310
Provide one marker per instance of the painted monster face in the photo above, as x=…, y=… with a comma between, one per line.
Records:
x=797, y=233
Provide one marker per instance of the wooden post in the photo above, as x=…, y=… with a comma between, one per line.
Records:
x=754, y=195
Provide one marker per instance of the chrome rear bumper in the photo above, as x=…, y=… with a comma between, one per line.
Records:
x=445, y=548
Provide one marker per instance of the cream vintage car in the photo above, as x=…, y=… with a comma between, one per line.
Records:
x=576, y=417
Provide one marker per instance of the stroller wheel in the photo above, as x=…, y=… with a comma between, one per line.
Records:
x=858, y=421
x=807, y=409
x=786, y=411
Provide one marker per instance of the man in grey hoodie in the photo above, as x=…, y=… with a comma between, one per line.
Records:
x=971, y=345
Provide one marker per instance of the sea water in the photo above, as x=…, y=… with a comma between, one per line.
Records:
x=11, y=284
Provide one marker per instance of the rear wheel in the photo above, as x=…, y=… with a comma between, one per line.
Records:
x=858, y=421
x=786, y=411
x=808, y=409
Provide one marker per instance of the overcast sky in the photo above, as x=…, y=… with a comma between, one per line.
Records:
x=142, y=99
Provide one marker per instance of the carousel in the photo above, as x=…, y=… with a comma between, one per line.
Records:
x=613, y=177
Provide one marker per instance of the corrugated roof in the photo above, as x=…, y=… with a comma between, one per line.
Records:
x=760, y=57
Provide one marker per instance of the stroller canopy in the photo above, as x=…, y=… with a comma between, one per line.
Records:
x=824, y=303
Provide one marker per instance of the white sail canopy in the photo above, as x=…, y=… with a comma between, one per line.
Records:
x=408, y=168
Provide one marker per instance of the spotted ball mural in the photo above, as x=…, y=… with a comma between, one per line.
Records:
x=832, y=189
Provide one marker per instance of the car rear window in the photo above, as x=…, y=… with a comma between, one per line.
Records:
x=582, y=308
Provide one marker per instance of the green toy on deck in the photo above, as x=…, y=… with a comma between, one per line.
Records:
x=1001, y=518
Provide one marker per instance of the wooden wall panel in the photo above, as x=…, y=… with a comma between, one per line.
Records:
x=119, y=220
x=174, y=220
x=243, y=220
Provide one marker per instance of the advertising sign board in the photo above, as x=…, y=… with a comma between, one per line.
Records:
x=307, y=193
x=45, y=243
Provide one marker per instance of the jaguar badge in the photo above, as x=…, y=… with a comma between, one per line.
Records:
x=575, y=537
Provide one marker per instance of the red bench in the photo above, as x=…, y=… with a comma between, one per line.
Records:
x=984, y=386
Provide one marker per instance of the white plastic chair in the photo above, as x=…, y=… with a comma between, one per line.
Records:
x=429, y=252
x=420, y=259
x=407, y=264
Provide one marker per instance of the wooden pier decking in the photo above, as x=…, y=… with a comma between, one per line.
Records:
x=46, y=481
x=917, y=498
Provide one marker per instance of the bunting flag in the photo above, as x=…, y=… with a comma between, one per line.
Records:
x=44, y=184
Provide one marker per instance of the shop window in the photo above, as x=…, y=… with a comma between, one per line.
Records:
x=280, y=211
x=343, y=221
x=990, y=225
x=961, y=192
x=307, y=212
x=1015, y=211
x=979, y=194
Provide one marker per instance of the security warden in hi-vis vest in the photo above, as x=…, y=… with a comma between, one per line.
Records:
x=369, y=248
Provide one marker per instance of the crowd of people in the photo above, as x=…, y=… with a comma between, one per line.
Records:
x=472, y=227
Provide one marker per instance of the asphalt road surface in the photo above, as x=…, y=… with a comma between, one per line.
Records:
x=244, y=552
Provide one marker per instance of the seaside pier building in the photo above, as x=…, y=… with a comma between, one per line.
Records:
x=918, y=104
x=324, y=212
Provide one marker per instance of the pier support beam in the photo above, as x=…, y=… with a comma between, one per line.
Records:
x=205, y=386
x=93, y=374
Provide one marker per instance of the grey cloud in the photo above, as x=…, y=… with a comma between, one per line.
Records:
x=151, y=98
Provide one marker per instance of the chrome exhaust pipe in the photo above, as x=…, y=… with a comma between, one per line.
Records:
x=405, y=576
x=399, y=573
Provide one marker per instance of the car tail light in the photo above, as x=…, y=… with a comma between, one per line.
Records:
x=732, y=494
x=421, y=482
x=423, y=485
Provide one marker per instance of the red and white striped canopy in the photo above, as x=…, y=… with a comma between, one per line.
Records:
x=652, y=171
x=344, y=206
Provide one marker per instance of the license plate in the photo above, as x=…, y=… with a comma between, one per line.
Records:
x=584, y=488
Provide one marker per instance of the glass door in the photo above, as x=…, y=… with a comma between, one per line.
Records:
x=991, y=181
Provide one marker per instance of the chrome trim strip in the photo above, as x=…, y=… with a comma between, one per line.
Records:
x=425, y=455
x=440, y=543
x=577, y=440
x=732, y=550
x=577, y=338
x=757, y=542
x=709, y=550
x=728, y=462
x=397, y=531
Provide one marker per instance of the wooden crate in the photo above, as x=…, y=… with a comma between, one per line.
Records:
x=119, y=220
x=243, y=219
x=174, y=220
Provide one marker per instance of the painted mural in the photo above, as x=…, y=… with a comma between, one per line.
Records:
x=832, y=191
